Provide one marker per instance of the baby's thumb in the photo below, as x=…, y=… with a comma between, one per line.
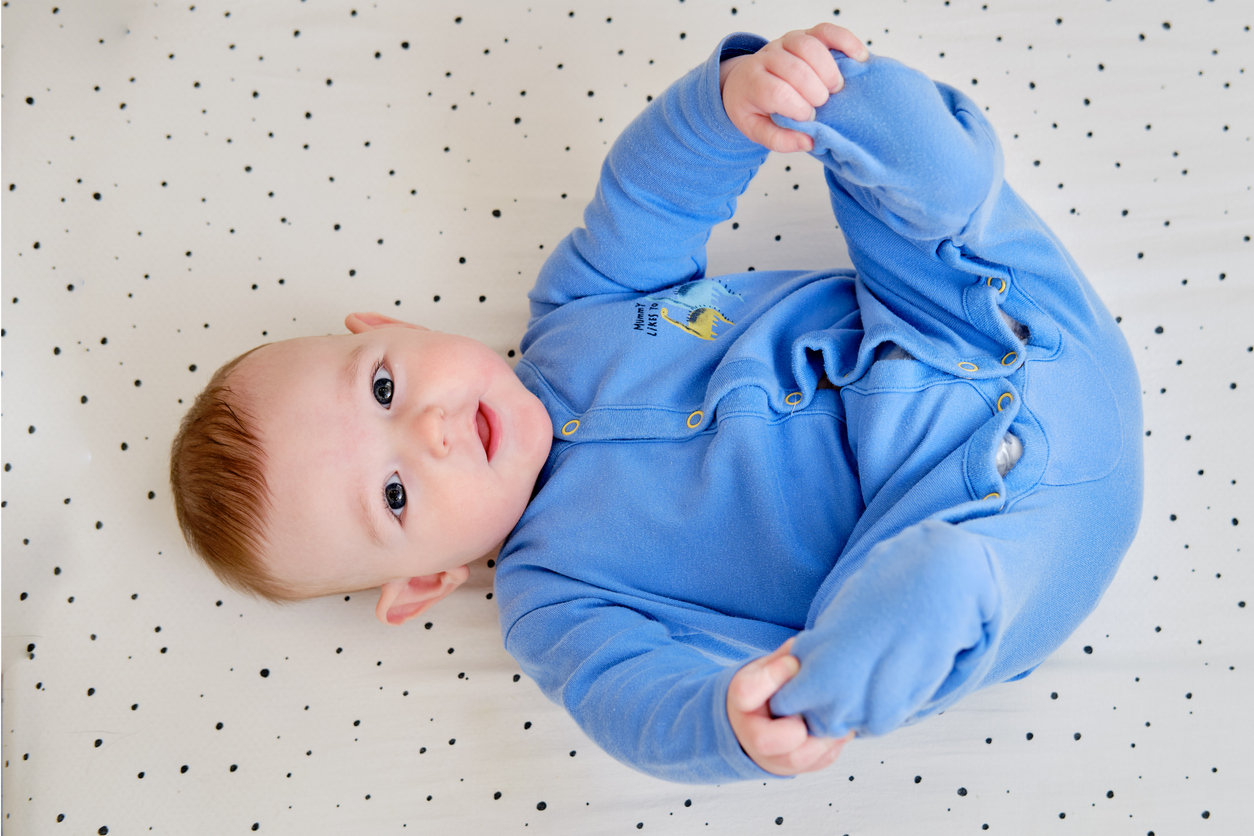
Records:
x=758, y=681
x=780, y=133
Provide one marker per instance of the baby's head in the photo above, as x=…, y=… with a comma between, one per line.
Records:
x=387, y=458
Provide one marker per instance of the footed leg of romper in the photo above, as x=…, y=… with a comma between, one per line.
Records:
x=911, y=167
x=942, y=245
x=943, y=608
x=921, y=618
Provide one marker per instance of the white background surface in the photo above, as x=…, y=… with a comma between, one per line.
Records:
x=182, y=180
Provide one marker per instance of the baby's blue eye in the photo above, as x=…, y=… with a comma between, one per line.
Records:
x=394, y=494
x=381, y=386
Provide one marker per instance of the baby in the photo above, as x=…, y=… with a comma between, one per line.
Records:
x=744, y=518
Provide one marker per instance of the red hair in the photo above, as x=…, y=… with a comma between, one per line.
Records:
x=217, y=474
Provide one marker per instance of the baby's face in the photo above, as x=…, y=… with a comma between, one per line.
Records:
x=391, y=453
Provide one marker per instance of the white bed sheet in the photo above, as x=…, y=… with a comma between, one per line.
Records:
x=184, y=179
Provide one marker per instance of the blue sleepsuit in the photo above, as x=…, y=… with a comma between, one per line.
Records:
x=741, y=459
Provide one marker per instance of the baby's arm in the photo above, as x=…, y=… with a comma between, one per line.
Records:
x=647, y=699
x=677, y=170
x=669, y=178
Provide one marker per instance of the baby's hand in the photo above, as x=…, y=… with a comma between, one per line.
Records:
x=790, y=76
x=780, y=745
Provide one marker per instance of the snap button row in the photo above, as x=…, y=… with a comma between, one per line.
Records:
x=694, y=421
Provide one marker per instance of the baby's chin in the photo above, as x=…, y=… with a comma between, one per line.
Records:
x=540, y=433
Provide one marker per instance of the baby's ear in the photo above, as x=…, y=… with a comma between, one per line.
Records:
x=361, y=322
x=401, y=600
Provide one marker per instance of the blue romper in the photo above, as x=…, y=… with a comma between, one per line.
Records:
x=741, y=459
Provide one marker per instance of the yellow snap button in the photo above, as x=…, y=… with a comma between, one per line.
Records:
x=968, y=366
x=1009, y=359
x=694, y=420
x=570, y=426
x=1004, y=401
x=792, y=398
x=1001, y=284
x=993, y=495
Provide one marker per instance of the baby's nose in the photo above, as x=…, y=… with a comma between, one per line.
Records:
x=430, y=430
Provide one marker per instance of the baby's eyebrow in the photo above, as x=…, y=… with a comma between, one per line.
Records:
x=352, y=369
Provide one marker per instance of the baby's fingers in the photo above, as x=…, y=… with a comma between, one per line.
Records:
x=815, y=74
x=755, y=683
x=804, y=65
x=840, y=39
x=773, y=741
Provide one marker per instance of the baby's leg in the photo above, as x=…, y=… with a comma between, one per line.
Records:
x=977, y=324
x=958, y=576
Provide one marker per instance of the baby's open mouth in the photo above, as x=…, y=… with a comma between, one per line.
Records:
x=486, y=423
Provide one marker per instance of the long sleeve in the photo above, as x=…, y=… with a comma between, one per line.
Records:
x=670, y=177
x=647, y=699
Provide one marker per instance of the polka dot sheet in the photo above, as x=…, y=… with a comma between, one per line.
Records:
x=183, y=180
